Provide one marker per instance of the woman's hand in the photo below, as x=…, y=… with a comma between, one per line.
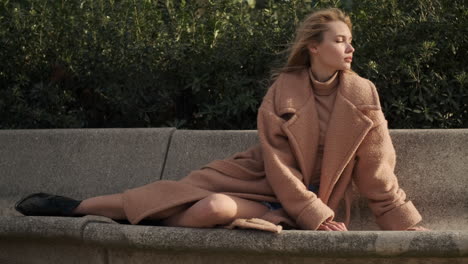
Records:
x=417, y=228
x=332, y=226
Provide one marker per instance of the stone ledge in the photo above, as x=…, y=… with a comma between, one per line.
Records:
x=289, y=242
x=430, y=162
x=76, y=162
x=98, y=231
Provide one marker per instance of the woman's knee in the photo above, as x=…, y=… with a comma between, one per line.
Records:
x=219, y=206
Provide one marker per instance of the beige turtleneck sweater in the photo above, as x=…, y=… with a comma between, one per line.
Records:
x=325, y=94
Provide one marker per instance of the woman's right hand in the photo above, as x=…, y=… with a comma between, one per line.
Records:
x=332, y=226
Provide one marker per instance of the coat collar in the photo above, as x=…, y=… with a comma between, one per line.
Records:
x=347, y=127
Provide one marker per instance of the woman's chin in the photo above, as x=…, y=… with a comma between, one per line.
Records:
x=347, y=66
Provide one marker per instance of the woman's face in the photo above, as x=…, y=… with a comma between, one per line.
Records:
x=335, y=51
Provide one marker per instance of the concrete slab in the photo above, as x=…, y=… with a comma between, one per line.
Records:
x=39, y=240
x=100, y=242
x=191, y=149
x=40, y=251
x=79, y=162
x=432, y=168
x=48, y=226
x=148, y=256
x=352, y=244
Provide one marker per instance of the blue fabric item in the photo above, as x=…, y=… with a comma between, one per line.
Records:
x=276, y=206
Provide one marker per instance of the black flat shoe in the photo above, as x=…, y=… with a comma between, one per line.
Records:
x=43, y=204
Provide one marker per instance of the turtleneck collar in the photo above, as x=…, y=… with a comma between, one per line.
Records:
x=324, y=88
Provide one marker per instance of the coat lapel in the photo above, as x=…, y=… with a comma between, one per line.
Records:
x=346, y=130
x=297, y=98
x=303, y=132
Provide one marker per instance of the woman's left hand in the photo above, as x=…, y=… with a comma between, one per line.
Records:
x=417, y=228
x=332, y=226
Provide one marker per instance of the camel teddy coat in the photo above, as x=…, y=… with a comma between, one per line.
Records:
x=357, y=148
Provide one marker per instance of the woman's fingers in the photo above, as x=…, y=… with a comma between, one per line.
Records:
x=339, y=226
x=324, y=228
x=336, y=226
x=418, y=228
x=332, y=226
x=343, y=226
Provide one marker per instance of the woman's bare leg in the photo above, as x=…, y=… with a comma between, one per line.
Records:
x=107, y=205
x=216, y=209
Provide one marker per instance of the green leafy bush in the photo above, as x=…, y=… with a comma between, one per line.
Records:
x=415, y=52
x=206, y=64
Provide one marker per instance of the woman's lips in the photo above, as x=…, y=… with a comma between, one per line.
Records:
x=348, y=59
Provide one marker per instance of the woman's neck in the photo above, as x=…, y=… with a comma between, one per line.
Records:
x=321, y=74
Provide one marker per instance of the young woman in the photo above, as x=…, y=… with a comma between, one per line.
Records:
x=320, y=126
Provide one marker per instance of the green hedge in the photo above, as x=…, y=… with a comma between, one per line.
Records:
x=206, y=64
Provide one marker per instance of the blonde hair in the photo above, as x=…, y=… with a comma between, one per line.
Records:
x=310, y=30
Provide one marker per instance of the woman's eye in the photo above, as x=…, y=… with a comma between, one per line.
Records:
x=342, y=41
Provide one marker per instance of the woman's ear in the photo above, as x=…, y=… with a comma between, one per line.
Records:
x=312, y=49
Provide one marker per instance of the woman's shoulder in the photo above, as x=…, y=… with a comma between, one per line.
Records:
x=289, y=91
x=363, y=94
x=359, y=90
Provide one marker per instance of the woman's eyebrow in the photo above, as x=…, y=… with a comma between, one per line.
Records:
x=344, y=36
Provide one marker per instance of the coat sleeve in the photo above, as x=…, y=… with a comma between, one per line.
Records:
x=282, y=171
x=375, y=178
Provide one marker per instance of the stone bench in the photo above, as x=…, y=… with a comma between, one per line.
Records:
x=432, y=167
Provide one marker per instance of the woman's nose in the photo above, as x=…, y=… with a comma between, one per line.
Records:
x=350, y=48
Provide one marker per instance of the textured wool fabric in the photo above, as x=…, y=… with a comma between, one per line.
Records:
x=255, y=223
x=325, y=95
x=357, y=148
